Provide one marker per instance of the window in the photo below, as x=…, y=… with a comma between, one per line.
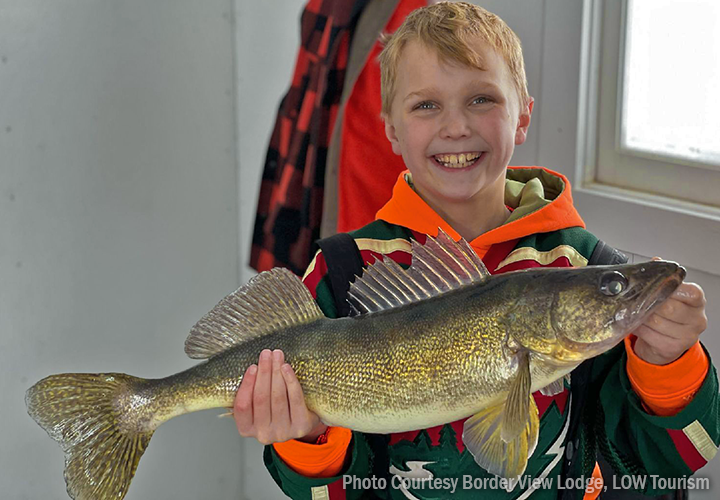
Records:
x=658, y=107
x=670, y=103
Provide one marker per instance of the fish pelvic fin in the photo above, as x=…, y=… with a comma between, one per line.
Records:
x=438, y=266
x=554, y=388
x=503, y=437
x=270, y=301
x=78, y=411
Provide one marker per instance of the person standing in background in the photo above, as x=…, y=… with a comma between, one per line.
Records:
x=319, y=176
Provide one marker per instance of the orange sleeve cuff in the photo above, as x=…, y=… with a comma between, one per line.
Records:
x=666, y=389
x=317, y=460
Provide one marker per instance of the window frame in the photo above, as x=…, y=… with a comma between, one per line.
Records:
x=639, y=222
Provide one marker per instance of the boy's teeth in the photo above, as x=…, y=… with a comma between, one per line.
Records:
x=462, y=160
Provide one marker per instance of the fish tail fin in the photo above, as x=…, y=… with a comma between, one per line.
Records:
x=83, y=413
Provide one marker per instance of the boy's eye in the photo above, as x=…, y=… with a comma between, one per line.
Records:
x=480, y=100
x=425, y=105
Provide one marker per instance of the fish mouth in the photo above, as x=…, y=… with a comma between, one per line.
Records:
x=660, y=289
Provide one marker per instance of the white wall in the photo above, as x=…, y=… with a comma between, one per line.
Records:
x=118, y=219
x=267, y=40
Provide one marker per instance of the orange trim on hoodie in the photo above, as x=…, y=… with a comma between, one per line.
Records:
x=560, y=214
x=317, y=460
x=666, y=389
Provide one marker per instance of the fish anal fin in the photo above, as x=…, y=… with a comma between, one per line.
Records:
x=482, y=437
x=501, y=438
x=270, y=301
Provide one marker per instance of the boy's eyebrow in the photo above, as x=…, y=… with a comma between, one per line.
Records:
x=487, y=86
x=421, y=92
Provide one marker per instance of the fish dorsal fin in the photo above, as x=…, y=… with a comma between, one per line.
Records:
x=270, y=301
x=438, y=266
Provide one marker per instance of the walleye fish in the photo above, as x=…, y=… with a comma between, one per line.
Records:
x=432, y=344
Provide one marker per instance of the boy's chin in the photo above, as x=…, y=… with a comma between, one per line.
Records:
x=461, y=194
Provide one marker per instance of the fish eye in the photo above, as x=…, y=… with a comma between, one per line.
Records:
x=613, y=283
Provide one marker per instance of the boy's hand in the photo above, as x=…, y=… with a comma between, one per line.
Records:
x=270, y=405
x=674, y=327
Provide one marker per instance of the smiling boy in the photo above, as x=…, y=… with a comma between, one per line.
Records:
x=455, y=127
x=455, y=105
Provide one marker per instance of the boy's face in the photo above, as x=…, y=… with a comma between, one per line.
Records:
x=441, y=110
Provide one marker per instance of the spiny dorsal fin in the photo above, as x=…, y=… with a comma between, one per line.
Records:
x=438, y=266
x=270, y=301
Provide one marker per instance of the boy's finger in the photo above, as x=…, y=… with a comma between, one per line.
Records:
x=296, y=398
x=681, y=314
x=690, y=294
x=667, y=327
x=280, y=413
x=660, y=344
x=261, y=396
x=243, y=409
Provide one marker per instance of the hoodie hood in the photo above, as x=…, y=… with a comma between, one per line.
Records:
x=539, y=198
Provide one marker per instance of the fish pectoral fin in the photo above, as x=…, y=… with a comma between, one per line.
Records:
x=482, y=437
x=502, y=438
x=553, y=388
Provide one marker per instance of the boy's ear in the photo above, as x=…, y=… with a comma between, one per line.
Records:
x=391, y=134
x=524, y=122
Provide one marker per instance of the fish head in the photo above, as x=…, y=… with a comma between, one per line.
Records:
x=592, y=309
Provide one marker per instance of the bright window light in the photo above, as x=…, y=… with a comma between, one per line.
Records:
x=671, y=95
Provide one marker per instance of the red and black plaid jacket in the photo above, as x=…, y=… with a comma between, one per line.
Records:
x=291, y=194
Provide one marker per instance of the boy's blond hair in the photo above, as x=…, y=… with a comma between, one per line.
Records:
x=450, y=28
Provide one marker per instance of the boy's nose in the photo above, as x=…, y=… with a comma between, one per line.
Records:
x=455, y=126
